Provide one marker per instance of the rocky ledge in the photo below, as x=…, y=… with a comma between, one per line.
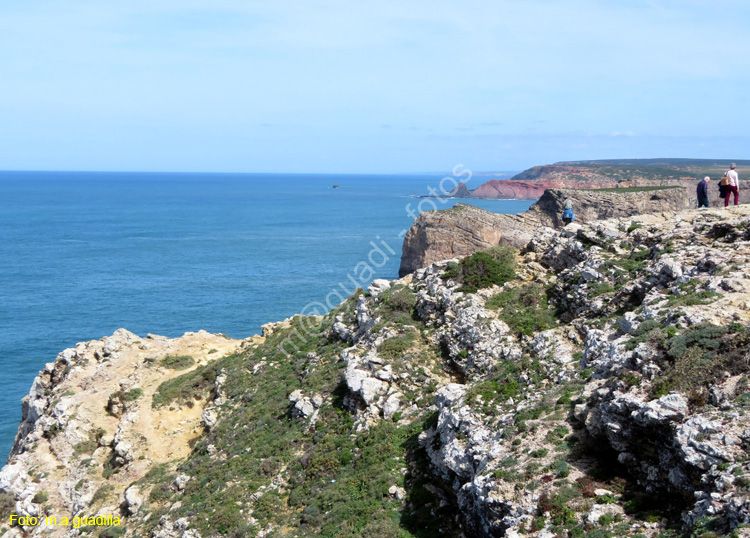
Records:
x=600, y=390
x=464, y=229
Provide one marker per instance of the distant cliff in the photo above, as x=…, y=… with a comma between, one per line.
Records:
x=524, y=190
x=464, y=229
x=531, y=183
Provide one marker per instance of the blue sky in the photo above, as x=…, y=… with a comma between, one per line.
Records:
x=370, y=87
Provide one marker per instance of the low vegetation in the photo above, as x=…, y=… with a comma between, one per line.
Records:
x=524, y=308
x=491, y=267
x=178, y=362
x=187, y=388
x=698, y=357
x=335, y=483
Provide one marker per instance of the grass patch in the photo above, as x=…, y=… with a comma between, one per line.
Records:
x=559, y=505
x=7, y=505
x=396, y=305
x=113, y=532
x=187, y=388
x=690, y=296
x=524, y=308
x=396, y=346
x=627, y=268
x=102, y=493
x=491, y=392
x=89, y=445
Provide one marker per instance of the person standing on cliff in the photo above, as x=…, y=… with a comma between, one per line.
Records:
x=568, y=215
x=703, y=192
x=733, y=186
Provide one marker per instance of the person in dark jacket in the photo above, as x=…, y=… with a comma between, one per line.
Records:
x=702, y=192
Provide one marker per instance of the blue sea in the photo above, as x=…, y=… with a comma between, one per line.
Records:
x=83, y=254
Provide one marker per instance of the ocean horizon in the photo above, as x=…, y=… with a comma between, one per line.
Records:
x=87, y=253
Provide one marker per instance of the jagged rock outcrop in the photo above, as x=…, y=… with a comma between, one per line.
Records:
x=459, y=231
x=461, y=191
x=464, y=229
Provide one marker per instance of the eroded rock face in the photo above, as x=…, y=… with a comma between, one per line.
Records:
x=462, y=230
x=591, y=205
x=89, y=423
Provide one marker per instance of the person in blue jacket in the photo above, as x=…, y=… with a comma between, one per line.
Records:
x=702, y=192
x=568, y=215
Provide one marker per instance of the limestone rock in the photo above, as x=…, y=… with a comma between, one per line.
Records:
x=378, y=286
x=133, y=500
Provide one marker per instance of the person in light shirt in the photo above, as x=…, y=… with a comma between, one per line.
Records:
x=733, y=186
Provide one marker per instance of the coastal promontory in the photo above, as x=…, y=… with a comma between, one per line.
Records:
x=530, y=184
x=593, y=382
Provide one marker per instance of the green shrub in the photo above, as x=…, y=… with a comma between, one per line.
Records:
x=690, y=296
x=557, y=505
x=132, y=395
x=178, y=362
x=696, y=359
x=606, y=519
x=561, y=469
x=122, y=398
x=159, y=493
x=483, y=269
x=600, y=289
x=559, y=432
x=492, y=390
x=41, y=497
x=648, y=331
x=401, y=300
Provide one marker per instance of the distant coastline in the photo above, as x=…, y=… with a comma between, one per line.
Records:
x=604, y=174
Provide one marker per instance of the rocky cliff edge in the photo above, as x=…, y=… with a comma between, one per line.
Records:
x=601, y=392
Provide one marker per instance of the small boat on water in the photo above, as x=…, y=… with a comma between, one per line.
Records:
x=336, y=186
